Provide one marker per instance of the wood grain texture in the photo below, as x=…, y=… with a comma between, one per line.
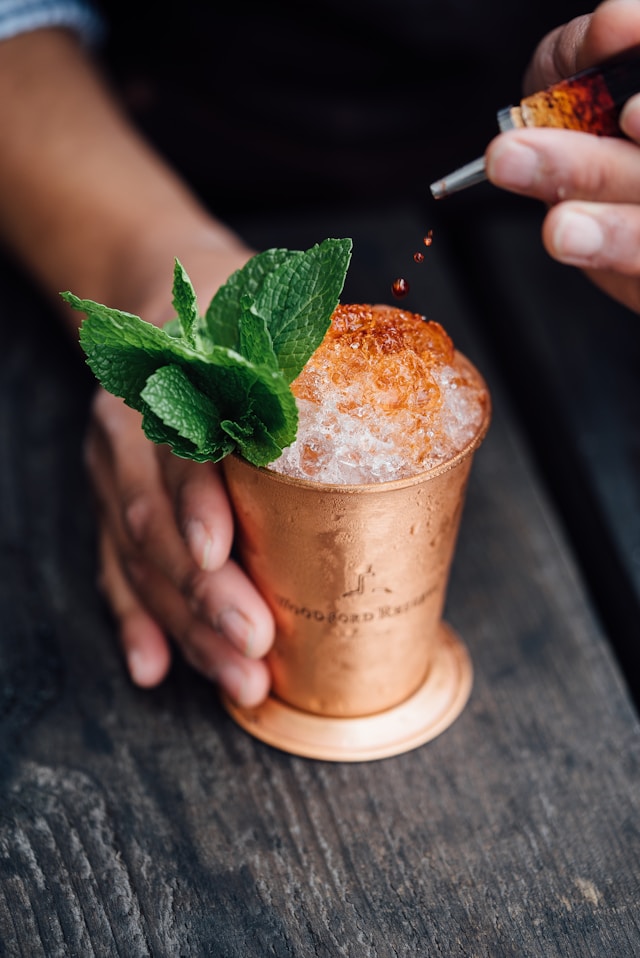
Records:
x=138, y=823
x=571, y=359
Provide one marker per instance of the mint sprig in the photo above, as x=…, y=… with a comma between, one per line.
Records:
x=209, y=384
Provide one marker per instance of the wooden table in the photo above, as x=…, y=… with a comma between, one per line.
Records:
x=146, y=823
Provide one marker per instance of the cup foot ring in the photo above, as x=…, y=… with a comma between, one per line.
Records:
x=420, y=718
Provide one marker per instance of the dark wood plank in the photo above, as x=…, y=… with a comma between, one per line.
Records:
x=146, y=823
x=571, y=358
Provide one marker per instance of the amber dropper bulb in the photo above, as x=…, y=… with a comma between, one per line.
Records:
x=590, y=100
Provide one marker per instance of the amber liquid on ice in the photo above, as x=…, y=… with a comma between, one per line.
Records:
x=385, y=396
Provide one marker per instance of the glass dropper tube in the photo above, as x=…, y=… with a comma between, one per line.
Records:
x=590, y=100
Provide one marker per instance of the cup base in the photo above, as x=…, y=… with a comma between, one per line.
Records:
x=420, y=718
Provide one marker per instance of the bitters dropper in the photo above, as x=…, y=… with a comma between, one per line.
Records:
x=590, y=100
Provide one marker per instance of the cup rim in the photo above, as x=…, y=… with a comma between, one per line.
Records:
x=368, y=487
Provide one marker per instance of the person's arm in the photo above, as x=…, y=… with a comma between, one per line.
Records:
x=591, y=184
x=83, y=200
x=88, y=206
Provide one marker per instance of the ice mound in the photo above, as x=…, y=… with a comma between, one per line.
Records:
x=385, y=396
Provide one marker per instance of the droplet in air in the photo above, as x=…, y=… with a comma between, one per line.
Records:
x=418, y=257
x=428, y=240
x=399, y=288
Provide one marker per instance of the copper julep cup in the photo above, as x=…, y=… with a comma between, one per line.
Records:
x=363, y=666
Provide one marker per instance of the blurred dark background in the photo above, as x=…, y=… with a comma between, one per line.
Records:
x=271, y=104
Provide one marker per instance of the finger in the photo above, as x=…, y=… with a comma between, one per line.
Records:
x=556, y=55
x=555, y=165
x=630, y=118
x=614, y=26
x=202, y=508
x=132, y=485
x=595, y=236
x=245, y=680
x=145, y=646
x=235, y=608
x=625, y=289
x=145, y=531
x=153, y=599
x=126, y=473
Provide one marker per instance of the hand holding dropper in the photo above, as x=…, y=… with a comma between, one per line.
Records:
x=590, y=184
x=590, y=100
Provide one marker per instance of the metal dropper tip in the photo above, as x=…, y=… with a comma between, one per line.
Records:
x=459, y=180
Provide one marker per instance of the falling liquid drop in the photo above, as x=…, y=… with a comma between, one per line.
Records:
x=418, y=257
x=428, y=240
x=399, y=288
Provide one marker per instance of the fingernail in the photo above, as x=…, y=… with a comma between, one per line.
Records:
x=577, y=236
x=630, y=118
x=141, y=670
x=232, y=679
x=238, y=629
x=512, y=165
x=200, y=543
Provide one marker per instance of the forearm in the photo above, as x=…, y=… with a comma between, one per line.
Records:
x=84, y=202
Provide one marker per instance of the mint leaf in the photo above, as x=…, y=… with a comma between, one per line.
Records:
x=185, y=303
x=223, y=315
x=179, y=405
x=122, y=350
x=254, y=339
x=253, y=441
x=173, y=327
x=208, y=385
x=297, y=299
x=274, y=405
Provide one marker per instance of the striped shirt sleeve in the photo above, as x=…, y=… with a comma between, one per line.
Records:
x=21, y=16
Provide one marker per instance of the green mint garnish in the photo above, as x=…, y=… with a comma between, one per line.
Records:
x=211, y=384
